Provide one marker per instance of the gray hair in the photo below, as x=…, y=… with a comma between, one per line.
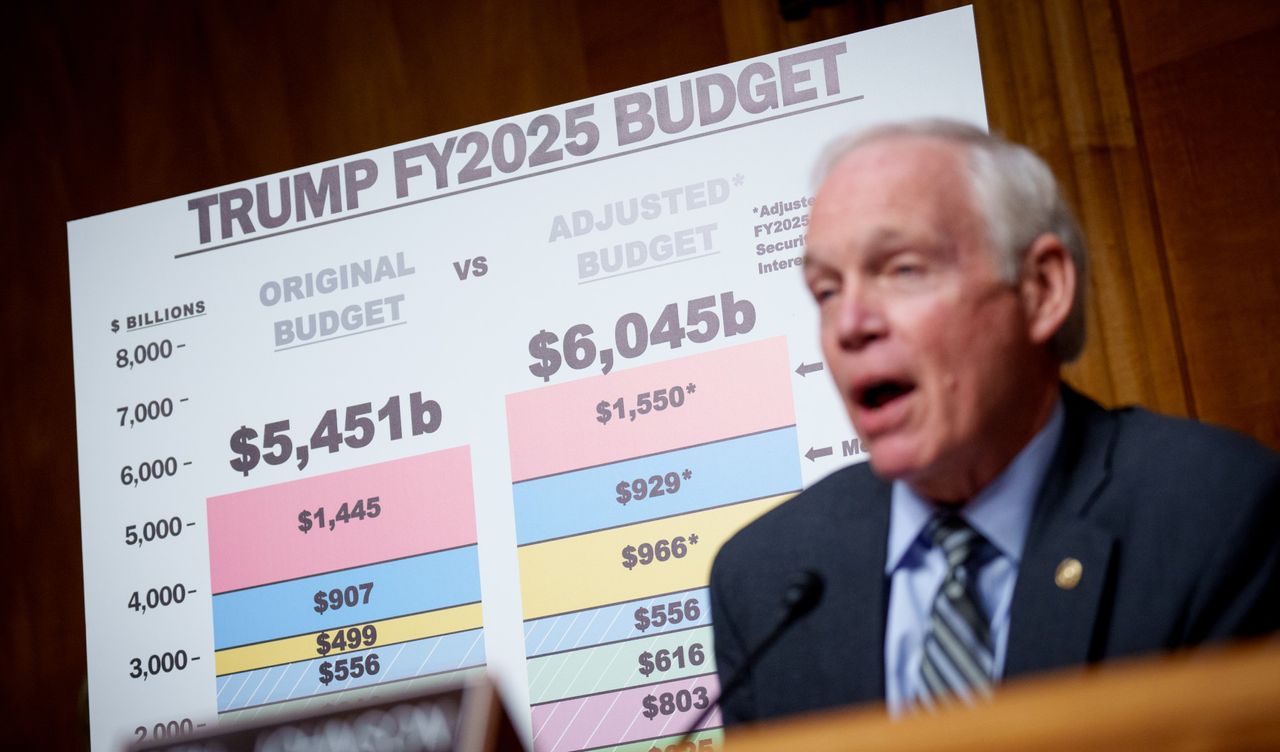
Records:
x=1017, y=196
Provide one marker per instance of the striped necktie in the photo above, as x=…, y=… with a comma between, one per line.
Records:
x=958, y=654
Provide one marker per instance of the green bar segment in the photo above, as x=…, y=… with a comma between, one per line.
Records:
x=711, y=740
x=604, y=668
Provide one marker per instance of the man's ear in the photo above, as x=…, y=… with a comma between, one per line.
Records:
x=1047, y=287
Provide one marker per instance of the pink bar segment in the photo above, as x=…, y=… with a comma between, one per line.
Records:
x=617, y=717
x=426, y=503
x=739, y=390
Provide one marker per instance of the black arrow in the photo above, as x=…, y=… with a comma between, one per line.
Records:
x=807, y=368
x=813, y=454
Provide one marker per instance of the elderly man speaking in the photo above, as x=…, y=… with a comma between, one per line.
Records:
x=1005, y=524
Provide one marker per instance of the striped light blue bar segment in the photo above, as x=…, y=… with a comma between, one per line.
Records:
x=584, y=629
x=316, y=703
x=723, y=472
x=407, y=660
x=404, y=586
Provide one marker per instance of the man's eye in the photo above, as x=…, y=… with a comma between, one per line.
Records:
x=822, y=292
x=906, y=269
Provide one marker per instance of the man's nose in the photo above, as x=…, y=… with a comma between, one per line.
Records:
x=860, y=317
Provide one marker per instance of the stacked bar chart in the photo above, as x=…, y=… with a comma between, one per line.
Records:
x=345, y=583
x=625, y=486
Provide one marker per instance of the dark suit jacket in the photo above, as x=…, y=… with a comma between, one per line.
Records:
x=1177, y=525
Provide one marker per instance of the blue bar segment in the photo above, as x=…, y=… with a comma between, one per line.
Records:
x=404, y=586
x=596, y=626
x=407, y=660
x=723, y=472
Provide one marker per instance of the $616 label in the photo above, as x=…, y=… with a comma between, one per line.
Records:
x=665, y=660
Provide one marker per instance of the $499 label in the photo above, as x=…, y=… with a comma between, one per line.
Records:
x=351, y=638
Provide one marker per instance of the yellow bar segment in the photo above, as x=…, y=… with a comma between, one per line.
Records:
x=303, y=647
x=586, y=571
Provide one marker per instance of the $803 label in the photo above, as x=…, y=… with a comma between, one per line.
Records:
x=680, y=701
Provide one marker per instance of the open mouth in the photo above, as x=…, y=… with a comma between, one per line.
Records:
x=881, y=393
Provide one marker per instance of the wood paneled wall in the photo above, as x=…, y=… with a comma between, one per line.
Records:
x=1160, y=117
x=1205, y=82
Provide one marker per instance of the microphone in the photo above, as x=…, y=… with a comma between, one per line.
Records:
x=802, y=595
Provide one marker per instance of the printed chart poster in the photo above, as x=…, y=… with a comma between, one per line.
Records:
x=485, y=403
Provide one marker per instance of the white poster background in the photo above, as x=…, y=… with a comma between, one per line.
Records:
x=464, y=343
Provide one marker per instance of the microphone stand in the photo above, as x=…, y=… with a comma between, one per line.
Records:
x=801, y=597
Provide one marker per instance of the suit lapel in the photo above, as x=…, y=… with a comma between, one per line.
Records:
x=1054, y=621
x=861, y=594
